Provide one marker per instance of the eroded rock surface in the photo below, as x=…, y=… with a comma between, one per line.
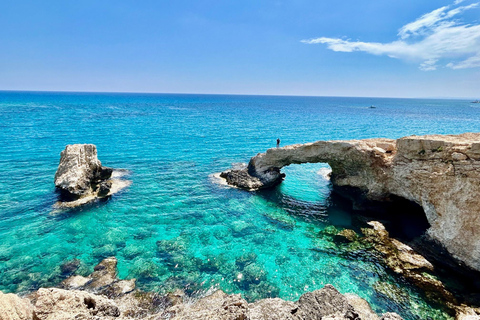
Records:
x=81, y=178
x=403, y=260
x=326, y=303
x=441, y=173
x=101, y=295
x=12, y=307
x=80, y=172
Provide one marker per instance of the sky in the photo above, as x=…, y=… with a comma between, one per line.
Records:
x=372, y=48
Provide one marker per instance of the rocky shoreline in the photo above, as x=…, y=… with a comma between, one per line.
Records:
x=101, y=295
x=438, y=173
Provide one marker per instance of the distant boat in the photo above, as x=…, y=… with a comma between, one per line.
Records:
x=476, y=101
x=372, y=107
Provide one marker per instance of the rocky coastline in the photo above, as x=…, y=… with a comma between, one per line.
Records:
x=101, y=295
x=439, y=173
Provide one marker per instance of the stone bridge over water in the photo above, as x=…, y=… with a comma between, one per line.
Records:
x=441, y=173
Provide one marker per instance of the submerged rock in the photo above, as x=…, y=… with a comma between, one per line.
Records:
x=104, y=296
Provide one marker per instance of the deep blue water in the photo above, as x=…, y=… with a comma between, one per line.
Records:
x=175, y=226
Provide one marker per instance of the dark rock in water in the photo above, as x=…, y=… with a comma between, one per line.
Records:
x=247, y=180
x=345, y=236
x=245, y=259
x=253, y=273
x=105, y=173
x=104, y=188
x=70, y=267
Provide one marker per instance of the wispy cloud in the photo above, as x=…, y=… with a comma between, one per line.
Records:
x=433, y=37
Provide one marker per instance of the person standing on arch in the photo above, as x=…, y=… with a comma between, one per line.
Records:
x=278, y=142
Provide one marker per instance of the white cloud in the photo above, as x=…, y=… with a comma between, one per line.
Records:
x=433, y=37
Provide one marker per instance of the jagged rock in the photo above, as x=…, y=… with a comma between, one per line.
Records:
x=346, y=235
x=438, y=172
x=110, y=298
x=75, y=282
x=405, y=261
x=361, y=306
x=326, y=302
x=79, y=171
x=217, y=306
x=467, y=313
x=104, y=188
x=272, y=309
x=119, y=288
x=59, y=304
x=104, y=273
x=390, y=316
x=12, y=307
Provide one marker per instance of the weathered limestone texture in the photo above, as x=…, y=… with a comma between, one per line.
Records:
x=80, y=171
x=326, y=303
x=441, y=173
x=12, y=307
x=81, y=178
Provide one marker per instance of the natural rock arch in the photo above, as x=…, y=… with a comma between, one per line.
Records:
x=441, y=173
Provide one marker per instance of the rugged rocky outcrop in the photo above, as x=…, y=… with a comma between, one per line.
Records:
x=403, y=260
x=441, y=173
x=81, y=178
x=80, y=172
x=102, y=295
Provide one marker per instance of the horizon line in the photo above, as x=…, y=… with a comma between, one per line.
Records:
x=235, y=94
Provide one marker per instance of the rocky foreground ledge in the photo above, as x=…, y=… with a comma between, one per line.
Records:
x=81, y=178
x=441, y=173
x=102, y=295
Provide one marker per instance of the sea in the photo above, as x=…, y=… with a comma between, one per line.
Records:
x=176, y=225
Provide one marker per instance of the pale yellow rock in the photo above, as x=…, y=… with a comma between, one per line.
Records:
x=59, y=304
x=12, y=307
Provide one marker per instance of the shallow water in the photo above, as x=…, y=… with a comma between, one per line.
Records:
x=174, y=226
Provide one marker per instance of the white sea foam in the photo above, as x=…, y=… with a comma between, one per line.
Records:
x=325, y=173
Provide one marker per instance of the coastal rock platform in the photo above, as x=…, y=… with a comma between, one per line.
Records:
x=440, y=173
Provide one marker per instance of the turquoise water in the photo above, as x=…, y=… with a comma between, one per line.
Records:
x=175, y=226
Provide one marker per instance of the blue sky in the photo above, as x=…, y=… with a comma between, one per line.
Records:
x=405, y=48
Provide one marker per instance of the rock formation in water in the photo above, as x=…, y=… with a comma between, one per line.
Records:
x=441, y=173
x=102, y=295
x=80, y=177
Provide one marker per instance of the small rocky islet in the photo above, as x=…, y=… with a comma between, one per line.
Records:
x=433, y=171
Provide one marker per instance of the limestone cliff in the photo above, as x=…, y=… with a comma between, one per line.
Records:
x=441, y=173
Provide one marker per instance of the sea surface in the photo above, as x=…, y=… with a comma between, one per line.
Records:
x=176, y=226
